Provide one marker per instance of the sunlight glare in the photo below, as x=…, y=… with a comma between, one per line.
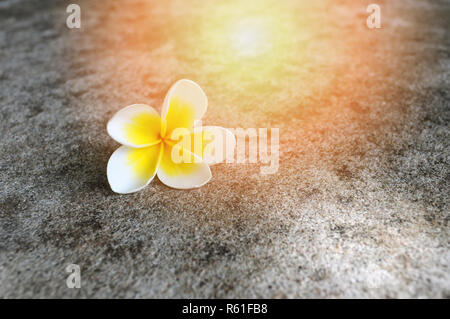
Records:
x=250, y=37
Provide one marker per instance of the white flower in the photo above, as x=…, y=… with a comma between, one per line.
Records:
x=150, y=143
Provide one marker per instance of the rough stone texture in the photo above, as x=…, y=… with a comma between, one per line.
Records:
x=358, y=208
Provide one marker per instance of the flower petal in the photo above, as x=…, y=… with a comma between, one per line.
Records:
x=137, y=125
x=131, y=169
x=182, y=175
x=216, y=144
x=184, y=103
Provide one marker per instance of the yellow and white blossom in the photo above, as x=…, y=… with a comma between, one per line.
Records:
x=154, y=145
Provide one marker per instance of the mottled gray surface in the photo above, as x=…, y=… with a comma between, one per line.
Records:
x=358, y=208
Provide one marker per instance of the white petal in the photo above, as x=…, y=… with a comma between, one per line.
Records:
x=220, y=148
x=182, y=175
x=191, y=103
x=131, y=169
x=137, y=125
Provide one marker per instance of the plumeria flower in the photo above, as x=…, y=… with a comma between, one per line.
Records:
x=154, y=145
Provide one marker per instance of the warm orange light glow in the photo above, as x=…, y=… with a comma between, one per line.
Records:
x=249, y=55
x=238, y=42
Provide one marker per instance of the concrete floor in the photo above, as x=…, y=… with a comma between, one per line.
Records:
x=358, y=208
